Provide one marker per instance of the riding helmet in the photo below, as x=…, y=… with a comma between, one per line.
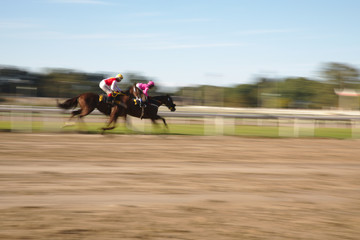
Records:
x=119, y=76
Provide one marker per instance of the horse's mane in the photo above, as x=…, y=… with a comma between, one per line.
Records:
x=127, y=92
x=160, y=97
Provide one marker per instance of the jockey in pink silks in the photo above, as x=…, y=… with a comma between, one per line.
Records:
x=144, y=87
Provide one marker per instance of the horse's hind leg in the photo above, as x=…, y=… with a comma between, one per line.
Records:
x=69, y=121
x=84, y=112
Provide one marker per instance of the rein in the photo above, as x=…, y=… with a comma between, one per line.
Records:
x=157, y=101
x=161, y=103
x=154, y=105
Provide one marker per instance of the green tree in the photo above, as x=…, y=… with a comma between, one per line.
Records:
x=305, y=93
x=244, y=95
x=343, y=75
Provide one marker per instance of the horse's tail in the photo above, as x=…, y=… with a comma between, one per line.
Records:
x=70, y=103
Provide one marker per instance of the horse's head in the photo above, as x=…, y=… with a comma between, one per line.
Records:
x=169, y=103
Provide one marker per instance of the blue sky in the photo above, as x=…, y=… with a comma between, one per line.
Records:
x=181, y=42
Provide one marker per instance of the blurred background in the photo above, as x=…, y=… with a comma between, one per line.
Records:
x=340, y=88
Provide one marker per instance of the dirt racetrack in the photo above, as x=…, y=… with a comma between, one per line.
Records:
x=79, y=186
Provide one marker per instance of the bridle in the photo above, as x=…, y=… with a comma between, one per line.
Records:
x=171, y=105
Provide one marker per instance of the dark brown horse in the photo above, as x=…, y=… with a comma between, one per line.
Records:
x=125, y=104
x=88, y=102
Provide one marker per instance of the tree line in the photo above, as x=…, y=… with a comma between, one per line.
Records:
x=290, y=92
x=57, y=83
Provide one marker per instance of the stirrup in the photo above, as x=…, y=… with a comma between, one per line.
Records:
x=141, y=103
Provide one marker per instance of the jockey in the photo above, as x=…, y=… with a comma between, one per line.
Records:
x=144, y=89
x=109, y=85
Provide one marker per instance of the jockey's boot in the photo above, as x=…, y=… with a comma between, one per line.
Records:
x=110, y=99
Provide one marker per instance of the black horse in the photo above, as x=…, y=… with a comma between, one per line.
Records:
x=151, y=110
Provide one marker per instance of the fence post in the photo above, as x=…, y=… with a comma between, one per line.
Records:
x=20, y=121
x=284, y=129
x=296, y=127
x=219, y=125
x=230, y=125
x=208, y=125
x=355, y=129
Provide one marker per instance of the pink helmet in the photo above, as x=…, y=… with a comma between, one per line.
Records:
x=151, y=83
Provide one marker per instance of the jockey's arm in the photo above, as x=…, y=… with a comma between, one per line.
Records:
x=114, y=87
x=145, y=92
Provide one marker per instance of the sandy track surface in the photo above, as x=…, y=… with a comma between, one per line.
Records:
x=71, y=186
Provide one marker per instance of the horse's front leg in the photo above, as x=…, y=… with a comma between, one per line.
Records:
x=159, y=117
x=108, y=127
x=164, y=122
x=112, y=120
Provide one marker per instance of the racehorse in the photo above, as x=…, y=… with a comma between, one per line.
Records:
x=151, y=110
x=125, y=104
x=87, y=102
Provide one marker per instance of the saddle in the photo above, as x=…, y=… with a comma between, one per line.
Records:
x=104, y=98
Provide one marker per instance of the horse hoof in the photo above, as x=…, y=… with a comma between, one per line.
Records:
x=67, y=124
